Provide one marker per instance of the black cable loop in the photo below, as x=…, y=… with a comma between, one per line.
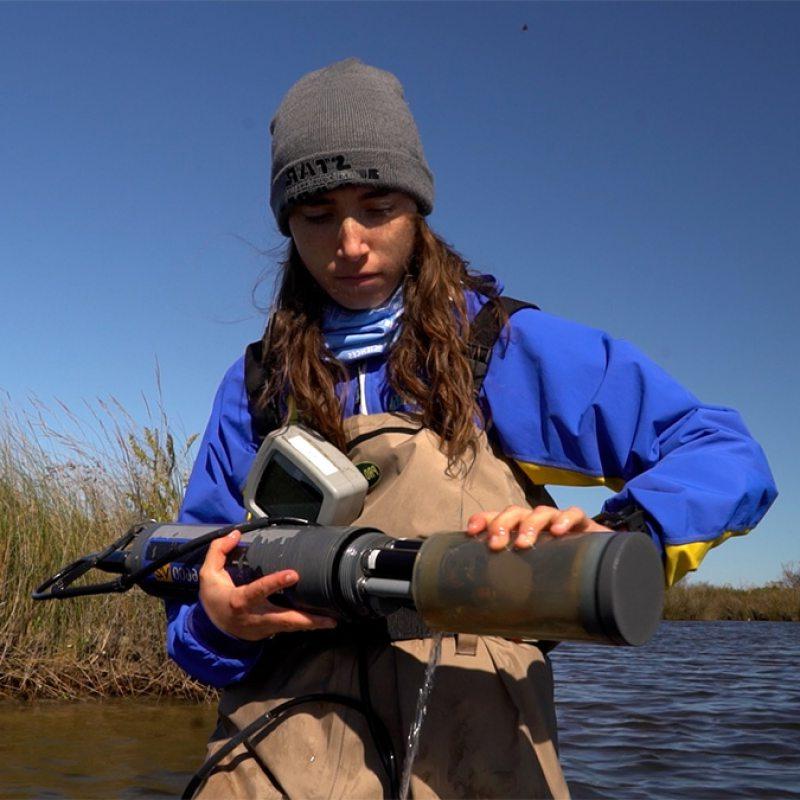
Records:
x=383, y=742
x=275, y=715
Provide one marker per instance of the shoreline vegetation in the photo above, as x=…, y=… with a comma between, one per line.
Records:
x=70, y=487
x=776, y=602
x=63, y=495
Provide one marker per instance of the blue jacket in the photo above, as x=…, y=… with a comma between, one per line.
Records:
x=571, y=406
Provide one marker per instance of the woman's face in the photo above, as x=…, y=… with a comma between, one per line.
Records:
x=356, y=242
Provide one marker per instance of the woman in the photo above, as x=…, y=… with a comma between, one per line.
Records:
x=369, y=344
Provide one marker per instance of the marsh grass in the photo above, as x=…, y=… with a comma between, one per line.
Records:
x=67, y=494
x=778, y=601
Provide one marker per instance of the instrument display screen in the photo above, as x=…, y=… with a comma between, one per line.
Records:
x=285, y=491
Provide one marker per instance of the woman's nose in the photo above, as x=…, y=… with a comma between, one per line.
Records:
x=352, y=244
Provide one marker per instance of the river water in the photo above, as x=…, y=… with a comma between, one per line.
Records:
x=706, y=710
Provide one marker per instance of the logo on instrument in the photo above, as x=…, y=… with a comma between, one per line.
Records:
x=372, y=472
x=164, y=574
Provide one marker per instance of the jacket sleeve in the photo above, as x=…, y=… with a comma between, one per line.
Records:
x=213, y=495
x=575, y=407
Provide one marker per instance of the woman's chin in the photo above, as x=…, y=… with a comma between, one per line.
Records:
x=360, y=295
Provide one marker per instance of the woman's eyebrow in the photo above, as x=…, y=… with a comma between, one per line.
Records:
x=375, y=193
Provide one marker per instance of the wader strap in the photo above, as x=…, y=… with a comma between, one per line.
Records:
x=484, y=333
x=466, y=644
x=535, y=494
x=264, y=420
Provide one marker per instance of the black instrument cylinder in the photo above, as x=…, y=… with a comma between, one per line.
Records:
x=601, y=587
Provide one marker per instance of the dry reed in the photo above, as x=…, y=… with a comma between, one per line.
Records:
x=63, y=495
x=778, y=601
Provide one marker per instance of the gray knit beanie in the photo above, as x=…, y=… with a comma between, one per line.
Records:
x=345, y=124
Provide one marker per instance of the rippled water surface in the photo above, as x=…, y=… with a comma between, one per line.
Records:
x=107, y=749
x=706, y=710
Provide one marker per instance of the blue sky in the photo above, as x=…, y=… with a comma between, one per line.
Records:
x=631, y=166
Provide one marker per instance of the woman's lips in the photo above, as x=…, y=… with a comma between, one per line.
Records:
x=358, y=279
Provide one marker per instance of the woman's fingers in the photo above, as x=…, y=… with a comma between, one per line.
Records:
x=254, y=627
x=496, y=524
x=218, y=552
x=258, y=617
x=571, y=519
x=279, y=620
x=532, y=524
x=525, y=524
x=500, y=528
x=479, y=521
x=251, y=597
x=246, y=611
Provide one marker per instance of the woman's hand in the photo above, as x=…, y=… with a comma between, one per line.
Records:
x=245, y=611
x=528, y=523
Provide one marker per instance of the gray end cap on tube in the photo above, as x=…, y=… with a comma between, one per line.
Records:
x=630, y=589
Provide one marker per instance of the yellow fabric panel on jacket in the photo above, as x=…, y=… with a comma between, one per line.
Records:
x=566, y=477
x=682, y=558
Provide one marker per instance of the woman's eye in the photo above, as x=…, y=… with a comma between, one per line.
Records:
x=381, y=211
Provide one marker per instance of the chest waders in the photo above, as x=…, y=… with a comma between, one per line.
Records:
x=490, y=728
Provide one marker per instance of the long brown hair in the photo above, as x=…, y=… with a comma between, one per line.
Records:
x=428, y=366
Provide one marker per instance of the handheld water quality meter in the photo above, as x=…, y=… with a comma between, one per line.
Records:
x=305, y=494
x=297, y=473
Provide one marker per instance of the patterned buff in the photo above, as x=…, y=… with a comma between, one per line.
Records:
x=354, y=335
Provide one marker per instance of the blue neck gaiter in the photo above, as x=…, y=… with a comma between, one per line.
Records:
x=355, y=335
